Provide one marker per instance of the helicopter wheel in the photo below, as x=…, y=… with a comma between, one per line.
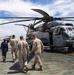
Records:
x=51, y=48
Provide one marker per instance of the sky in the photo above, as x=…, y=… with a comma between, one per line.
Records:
x=12, y=8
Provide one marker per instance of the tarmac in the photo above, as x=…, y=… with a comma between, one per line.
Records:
x=54, y=63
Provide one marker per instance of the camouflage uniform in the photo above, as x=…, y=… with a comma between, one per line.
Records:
x=23, y=49
x=14, y=49
x=38, y=49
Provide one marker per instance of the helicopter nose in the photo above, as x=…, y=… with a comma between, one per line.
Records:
x=66, y=35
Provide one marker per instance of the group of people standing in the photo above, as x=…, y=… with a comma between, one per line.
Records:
x=22, y=48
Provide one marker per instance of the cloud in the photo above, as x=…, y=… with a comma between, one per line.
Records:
x=64, y=7
x=57, y=8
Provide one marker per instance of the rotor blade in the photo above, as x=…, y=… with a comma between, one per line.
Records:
x=25, y=29
x=63, y=19
x=67, y=20
x=22, y=25
x=45, y=15
x=14, y=22
x=37, y=22
x=48, y=18
x=19, y=18
x=28, y=30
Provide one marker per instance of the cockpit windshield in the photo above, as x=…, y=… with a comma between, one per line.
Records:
x=62, y=29
x=70, y=29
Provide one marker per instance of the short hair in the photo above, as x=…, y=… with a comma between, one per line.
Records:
x=13, y=36
x=4, y=40
x=34, y=35
x=21, y=37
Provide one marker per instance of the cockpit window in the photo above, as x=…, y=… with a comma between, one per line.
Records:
x=70, y=29
x=57, y=31
x=62, y=29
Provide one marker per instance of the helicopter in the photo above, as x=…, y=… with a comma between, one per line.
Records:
x=44, y=36
x=60, y=35
x=8, y=38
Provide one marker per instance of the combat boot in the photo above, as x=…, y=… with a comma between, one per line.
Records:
x=33, y=66
x=40, y=69
x=21, y=70
x=26, y=69
x=3, y=59
x=14, y=60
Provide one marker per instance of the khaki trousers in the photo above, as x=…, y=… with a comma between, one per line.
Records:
x=38, y=59
x=23, y=61
x=14, y=54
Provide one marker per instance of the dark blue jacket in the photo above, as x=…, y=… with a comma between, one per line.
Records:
x=4, y=46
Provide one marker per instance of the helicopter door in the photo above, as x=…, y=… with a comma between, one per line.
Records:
x=58, y=40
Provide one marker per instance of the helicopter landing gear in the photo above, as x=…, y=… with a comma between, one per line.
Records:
x=70, y=49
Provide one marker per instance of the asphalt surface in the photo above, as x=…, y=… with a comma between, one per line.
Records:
x=54, y=63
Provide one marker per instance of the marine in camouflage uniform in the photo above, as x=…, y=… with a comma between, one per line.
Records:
x=23, y=49
x=38, y=48
x=13, y=43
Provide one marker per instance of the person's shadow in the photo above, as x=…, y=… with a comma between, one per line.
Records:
x=16, y=66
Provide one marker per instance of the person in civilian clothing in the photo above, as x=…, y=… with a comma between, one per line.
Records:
x=4, y=47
